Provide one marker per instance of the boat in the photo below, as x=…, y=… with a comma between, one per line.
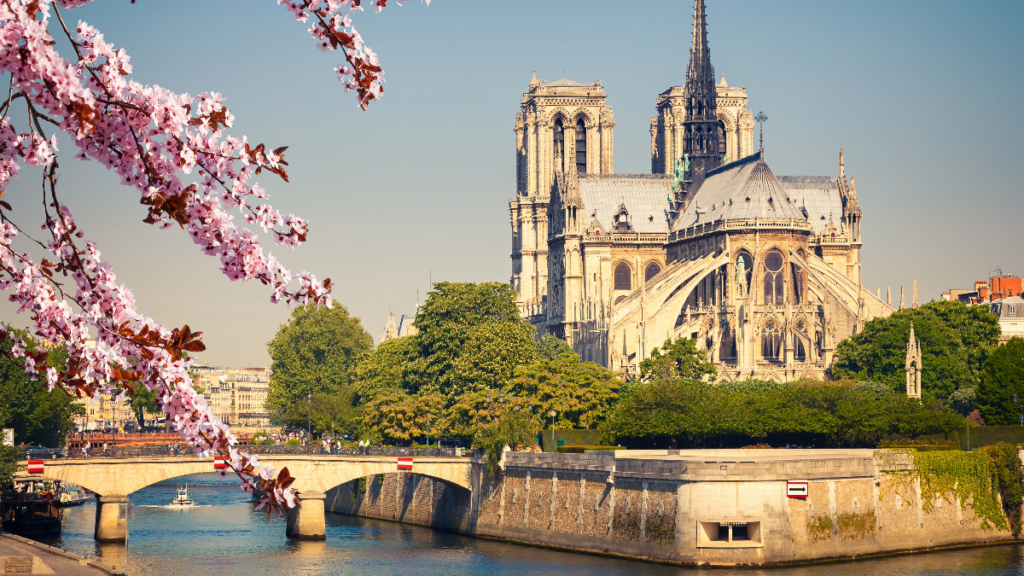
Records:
x=183, y=498
x=31, y=508
x=71, y=495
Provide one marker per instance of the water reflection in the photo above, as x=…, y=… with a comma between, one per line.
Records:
x=229, y=537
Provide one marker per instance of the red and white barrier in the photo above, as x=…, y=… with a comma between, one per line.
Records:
x=405, y=463
x=36, y=467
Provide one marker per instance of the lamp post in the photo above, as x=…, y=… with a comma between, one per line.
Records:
x=309, y=421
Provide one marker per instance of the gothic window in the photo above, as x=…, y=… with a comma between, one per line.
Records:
x=801, y=349
x=623, y=277
x=581, y=147
x=799, y=284
x=774, y=281
x=619, y=299
x=721, y=138
x=744, y=269
x=771, y=341
x=651, y=271
x=559, y=141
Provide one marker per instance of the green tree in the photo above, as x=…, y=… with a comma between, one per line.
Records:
x=327, y=412
x=550, y=347
x=388, y=367
x=400, y=417
x=1002, y=377
x=954, y=339
x=677, y=359
x=580, y=393
x=515, y=429
x=37, y=415
x=9, y=456
x=448, y=319
x=315, y=352
x=489, y=359
x=143, y=401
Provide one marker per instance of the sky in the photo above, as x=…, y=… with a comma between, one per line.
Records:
x=924, y=96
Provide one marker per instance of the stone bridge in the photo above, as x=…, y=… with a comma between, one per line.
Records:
x=113, y=479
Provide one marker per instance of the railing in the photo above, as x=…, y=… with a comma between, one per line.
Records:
x=738, y=223
x=151, y=450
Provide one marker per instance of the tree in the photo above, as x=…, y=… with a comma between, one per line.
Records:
x=551, y=347
x=677, y=359
x=515, y=429
x=36, y=415
x=9, y=456
x=328, y=412
x=387, y=367
x=315, y=352
x=143, y=402
x=843, y=414
x=580, y=393
x=450, y=316
x=173, y=149
x=397, y=416
x=954, y=341
x=1002, y=378
x=490, y=356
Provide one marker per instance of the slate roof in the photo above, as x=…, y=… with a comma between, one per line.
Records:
x=742, y=189
x=644, y=195
x=819, y=195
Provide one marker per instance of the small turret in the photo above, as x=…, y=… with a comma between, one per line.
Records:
x=534, y=83
x=913, y=365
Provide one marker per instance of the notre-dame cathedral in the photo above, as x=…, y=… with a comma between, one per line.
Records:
x=763, y=271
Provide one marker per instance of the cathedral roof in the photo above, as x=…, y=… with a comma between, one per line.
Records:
x=743, y=189
x=564, y=82
x=819, y=195
x=645, y=197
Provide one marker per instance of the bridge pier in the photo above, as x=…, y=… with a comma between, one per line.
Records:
x=308, y=523
x=108, y=527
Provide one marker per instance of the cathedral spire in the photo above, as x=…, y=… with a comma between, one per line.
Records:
x=703, y=136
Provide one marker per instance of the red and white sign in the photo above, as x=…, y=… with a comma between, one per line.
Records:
x=35, y=467
x=797, y=488
x=405, y=463
x=219, y=463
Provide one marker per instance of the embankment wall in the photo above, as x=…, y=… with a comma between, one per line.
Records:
x=677, y=507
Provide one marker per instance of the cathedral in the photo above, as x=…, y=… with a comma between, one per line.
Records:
x=763, y=271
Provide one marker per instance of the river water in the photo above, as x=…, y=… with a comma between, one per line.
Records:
x=224, y=535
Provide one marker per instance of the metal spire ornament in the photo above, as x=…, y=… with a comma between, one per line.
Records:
x=761, y=119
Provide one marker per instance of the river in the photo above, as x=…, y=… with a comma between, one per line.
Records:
x=225, y=536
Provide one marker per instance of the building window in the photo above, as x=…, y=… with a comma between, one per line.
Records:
x=559, y=142
x=651, y=271
x=581, y=147
x=773, y=279
x=771, y=341
x=623, y=277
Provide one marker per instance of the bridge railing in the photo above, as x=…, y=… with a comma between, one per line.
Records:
x=153, y=450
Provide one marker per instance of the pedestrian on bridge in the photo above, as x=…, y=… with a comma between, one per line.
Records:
x=88, y=445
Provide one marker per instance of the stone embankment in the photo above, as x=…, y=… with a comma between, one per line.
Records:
x=23, y=556
x=690, y=507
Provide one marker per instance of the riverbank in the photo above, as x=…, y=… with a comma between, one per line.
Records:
x=688, y=508
x=19, y=554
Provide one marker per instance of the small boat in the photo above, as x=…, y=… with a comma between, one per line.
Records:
x=71, y=495
x=30, y=508
x=183, y=498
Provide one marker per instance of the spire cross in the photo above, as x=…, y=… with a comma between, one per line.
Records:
x=761, y=119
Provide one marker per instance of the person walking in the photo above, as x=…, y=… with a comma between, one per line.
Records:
x=104, y=449
x=88, y=445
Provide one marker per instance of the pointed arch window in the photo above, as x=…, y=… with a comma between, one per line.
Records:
x=651, y=271
x=774, y=280
x=623, y=277
x=721, y=139
x=771, y=341
x=744, y=272
x=559, y=148
x=581, y=147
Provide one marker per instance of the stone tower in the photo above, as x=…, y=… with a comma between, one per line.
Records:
x=913, y=366
x=558, y=124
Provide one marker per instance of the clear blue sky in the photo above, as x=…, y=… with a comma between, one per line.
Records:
x=925, y=96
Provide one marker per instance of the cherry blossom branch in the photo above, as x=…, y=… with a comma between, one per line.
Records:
x=152, y=138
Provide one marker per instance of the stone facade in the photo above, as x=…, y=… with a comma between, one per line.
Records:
x=615, y=264
x=699, y=507
x=237, y=395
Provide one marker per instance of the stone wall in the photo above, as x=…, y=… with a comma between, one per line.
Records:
x=671, y=509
